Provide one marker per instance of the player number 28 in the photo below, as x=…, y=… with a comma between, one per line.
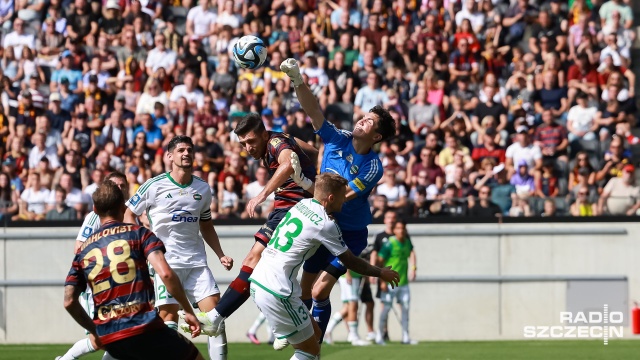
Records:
x=289, y=235
x=124, y=257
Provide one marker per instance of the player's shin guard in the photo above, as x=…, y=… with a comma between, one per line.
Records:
x=236, y=294
x=218, y=347
x=80, y=348
x=172, y=325
x=322, y=313
x=301, y=355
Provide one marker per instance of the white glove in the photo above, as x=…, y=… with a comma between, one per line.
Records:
x=297, y=176
x=290, y=67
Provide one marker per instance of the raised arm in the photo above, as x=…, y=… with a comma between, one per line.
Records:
x=306, y=98
x=281, y=175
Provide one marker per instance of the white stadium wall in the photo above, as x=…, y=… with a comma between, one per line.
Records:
x=475, y=281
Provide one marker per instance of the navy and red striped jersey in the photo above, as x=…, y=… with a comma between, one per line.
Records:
x=289, y=193
x=113, y=263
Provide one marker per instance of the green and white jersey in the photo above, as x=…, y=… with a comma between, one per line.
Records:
x=300, y=233
x=396, y=254
x=175, y=212
x=90, y=224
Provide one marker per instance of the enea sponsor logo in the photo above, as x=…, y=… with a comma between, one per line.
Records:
x=183, y=216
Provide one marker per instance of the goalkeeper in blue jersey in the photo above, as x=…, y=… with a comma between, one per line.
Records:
x=350, y=155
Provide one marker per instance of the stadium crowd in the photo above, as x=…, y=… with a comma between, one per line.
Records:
x=514, y=108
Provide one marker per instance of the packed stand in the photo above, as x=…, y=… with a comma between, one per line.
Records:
x=502, y=108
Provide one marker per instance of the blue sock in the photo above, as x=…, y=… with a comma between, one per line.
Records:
x=322, y=314
x=308, y=303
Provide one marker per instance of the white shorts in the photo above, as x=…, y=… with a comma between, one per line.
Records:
x=346, y=291
x=86, y=300
x=289, y=318
x=198, y=283
x=401, y=294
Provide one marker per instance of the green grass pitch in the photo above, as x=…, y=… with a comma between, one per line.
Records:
x=490, y=350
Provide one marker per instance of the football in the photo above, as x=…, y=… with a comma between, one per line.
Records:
x=249, y=52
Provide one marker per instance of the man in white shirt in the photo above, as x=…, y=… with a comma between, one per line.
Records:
x=75, y=197
x=40, y=150
x=160, y=57
x=369, y=96
x=253, y=189
x=201, y=21
x=194, y=97
x=18, y=39
x=476, y=18
x=523, y=150
x=580, y=120
x=33, y=199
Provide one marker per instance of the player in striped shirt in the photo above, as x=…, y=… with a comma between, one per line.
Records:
x=89, y=226
x=113, y=262
x=350, y=155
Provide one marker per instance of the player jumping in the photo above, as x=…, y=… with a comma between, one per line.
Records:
x=177, y=204
x=274, y=285
x=349, y=155
x=275, y=150
x=113, y=262
x=89, y=226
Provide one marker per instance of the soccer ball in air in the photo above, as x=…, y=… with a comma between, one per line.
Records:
x=249, y=52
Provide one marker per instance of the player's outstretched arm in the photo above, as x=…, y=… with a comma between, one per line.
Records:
x=210, y=236
x=284, y=171
x=172, y=282
x=306, y=98
x=75, y=309
x=298, y=177
x=362, y=267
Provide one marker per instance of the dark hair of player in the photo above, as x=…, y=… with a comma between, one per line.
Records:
x=116, y=175
x=329, y=183
x=108, y=199
x=386, y=124
x=250, y=123
x=179, y=139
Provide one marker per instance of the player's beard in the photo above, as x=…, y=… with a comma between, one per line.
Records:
x=184, y=166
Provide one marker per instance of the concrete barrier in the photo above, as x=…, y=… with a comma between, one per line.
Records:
x=476, y=281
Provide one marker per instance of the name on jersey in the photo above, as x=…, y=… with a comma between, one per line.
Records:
x=107, y=312
x=106, y=232
x=183, y=216
x=308, y=213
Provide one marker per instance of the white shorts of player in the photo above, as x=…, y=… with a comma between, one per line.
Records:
x=289, y=318
x=401, y=294
x=198, y=283
x=86, y=300
x=346, y=290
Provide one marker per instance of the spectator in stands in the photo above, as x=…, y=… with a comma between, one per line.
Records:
x=551, y=137
x=523, y=181
x=369, y=96
x=615, y=159
x=32, y=200
x=550, y=208
x=581, y=120
x=582, y=206
x=621, y=196
x=449, y=204
x=435, y=174
x=9, y=196
x=40, y=150
x=18, y=39
x=484, y=207
x=394, y=191
x=253, y=189
x=61, y=211
x=523, y=149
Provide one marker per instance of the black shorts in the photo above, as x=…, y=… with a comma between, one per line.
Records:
x=266, y=231
x=161, y=344
x=365, y=292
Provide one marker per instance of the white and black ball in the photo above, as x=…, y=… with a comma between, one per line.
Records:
x=249, y=52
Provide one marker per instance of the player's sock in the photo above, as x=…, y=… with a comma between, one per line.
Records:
x=301, y=355
x=335, y=320
x=256, y=324
x=272, y=337
x=218, y=347
x=322, y=313
x=172, y=325
x=80, y=348
x=236, y=294
x=308, y=303
x=107, y=356
x=353, y=330
x=382, y=325
x=405, y=322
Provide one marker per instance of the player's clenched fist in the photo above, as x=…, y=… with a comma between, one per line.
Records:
x=194, y=324
x=390, y=276
x=290, y=67
x=297, y=176
x=227, y=262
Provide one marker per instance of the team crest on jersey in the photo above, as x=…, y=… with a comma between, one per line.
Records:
x=354, y=169
x=183, y=192
x=197, y=197
x=275, y=142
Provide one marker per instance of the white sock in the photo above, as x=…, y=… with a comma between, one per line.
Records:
x=335, y=320
x=272, y=337
x=382, y=325
x=353, y=329
x=108, y=356
x=218, y=346
x=256, y=324
x=405, y=322
x=172, y=325
x=213, y=315
x=301, y=355
x=80, y=348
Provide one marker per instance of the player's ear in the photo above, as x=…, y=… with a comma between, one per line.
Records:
x=377, y=138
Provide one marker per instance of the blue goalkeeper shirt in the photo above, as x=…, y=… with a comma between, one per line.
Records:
x=362, y=171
